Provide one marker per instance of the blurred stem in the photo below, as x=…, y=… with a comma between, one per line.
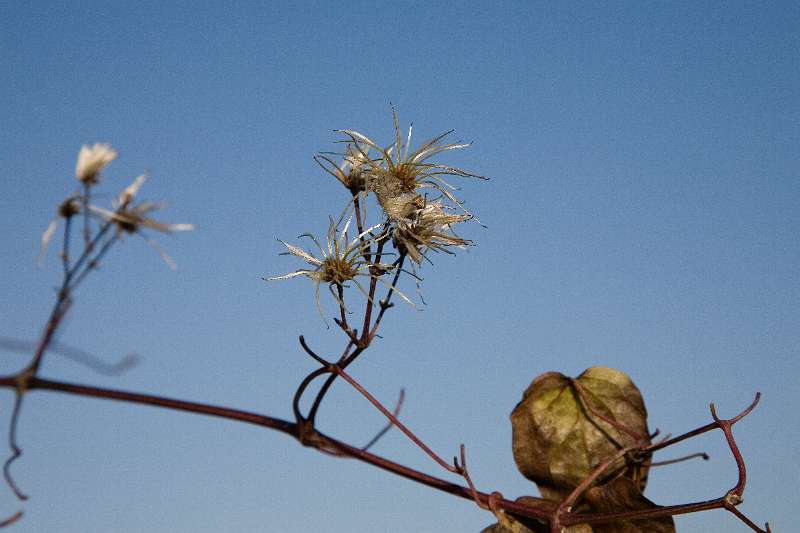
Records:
x=87, y=230
x=65, y=246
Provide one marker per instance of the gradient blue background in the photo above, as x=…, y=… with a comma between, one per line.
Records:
x=642, y=214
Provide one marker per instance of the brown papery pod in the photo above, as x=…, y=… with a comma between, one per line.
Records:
x=564, y=428
x=508, y=524
x=622, y=494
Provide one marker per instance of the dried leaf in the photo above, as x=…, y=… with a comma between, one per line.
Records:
x=558, y=437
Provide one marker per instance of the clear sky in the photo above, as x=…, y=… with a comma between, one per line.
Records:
x=642, y=214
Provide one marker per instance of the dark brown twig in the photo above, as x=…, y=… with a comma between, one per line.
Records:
x=65, y=245
x=11, y=519
x=393, y=419
x=389, y=424
x=16, y=451
x=700, y=455
x=565, y=506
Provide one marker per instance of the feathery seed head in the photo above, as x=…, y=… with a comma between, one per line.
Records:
x=428, y=228
x=398, y=173
x=92, y=160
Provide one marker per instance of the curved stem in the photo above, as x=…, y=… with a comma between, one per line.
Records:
x=298, y=415
x=16, y=452
x=323, y=390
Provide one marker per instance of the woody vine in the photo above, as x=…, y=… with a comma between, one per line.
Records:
x=584, y=441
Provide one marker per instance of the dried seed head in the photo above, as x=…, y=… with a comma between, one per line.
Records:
x=129, y=218
x=352, y=171
x=69, y=207
x=337, y=270
x=341, y=262
x=92, y=160
x=398, y=174
x=428, y=228
x=401, y=207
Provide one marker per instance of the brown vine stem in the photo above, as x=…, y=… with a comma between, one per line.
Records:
x=386, y=303
x=702, y=429
x=398, y=406
x=700, y=455
x=326, y=443
x=373, y=284
x=320, y=440
x=568, y=502
x=65, y=246
x=393, y=419
x=61, y=306
x=11, y=519
x=87, y=230
x=360, y=222
x=16, y=451
x=345, y=360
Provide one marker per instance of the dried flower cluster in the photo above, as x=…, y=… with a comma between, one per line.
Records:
x=402, y=181
x=125, y=216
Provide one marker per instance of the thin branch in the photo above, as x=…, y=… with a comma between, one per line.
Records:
x=11, y=519
x=386, y=302
x=389, y=425
x=360, y=225
x=752, y=525
x=65, y=245
x=373, y=283
x=699, y=431
x=87, y=231
x=311, y=352
x=393, y=419
x=345, y=360
x=16, y=451
x=701, y=455
x=567, y=503
x=735, y=494
x=94, y=262
x=62, y=303
x=462, y=467
x=298, y=415
x=342, y=311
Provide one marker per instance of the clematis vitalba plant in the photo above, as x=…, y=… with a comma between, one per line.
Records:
x=584, y=442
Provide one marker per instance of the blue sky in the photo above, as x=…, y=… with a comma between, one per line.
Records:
x=642, y=214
